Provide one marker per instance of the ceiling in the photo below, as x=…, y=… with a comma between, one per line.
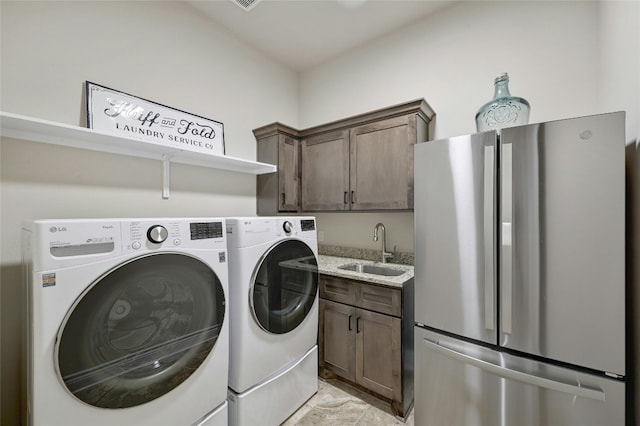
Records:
x=304, y=33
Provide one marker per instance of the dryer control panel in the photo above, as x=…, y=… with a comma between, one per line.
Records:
x=251, y=231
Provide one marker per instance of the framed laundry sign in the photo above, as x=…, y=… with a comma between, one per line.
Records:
x=127, y=116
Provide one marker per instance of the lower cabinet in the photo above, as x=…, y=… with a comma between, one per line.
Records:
x=372, y=347
x=338, y=343
x=363, y=347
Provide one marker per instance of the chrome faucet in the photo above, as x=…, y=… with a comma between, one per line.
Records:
x=385, y=253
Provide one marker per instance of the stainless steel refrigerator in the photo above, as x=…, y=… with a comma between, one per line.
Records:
x=520, y=276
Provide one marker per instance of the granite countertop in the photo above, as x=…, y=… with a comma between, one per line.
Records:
x=328, y=265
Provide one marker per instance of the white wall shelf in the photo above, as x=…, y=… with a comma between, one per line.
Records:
x=38, y=130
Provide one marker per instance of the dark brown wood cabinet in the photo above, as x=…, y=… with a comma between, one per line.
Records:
x=325, y=171
x=338, y=344
x=360, y=163
x=365, y=336
x=280, y=191
x=381, y=163
x=378, y=350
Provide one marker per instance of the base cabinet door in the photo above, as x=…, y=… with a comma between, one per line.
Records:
x=337, y=339
x=378, y=363
x=361, y=346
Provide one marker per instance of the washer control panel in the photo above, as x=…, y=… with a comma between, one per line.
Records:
x=173, y=233
x=63, y=242
x=206, y=230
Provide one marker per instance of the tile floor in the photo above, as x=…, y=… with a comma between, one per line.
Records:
x=337, y=403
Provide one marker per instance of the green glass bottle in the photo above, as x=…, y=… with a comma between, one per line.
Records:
x=504, y=110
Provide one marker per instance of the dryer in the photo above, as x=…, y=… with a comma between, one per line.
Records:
x=273, y=286
x=127, y=320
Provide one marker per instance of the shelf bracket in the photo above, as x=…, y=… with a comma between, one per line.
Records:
x=166, y=176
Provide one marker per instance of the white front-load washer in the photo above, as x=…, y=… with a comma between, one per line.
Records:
x=273, y=287
x=128, y=321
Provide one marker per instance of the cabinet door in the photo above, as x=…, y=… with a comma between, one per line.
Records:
x=288, y=161
x=267, y=184
x=381, y=175
x=325, y=172
x=378, y=361
x=337, y=339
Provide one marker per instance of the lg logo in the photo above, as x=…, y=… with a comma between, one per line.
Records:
x=57, y=229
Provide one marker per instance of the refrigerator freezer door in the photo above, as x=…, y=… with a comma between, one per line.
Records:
x=562, y=241
x=454, y=210
x=458, y=383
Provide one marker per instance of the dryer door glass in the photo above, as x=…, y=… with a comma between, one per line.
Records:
x=285, y=285
x=140, y=330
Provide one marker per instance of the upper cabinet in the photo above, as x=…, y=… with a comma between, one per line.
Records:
x=325, y=171
x=360, y=163
x=280, y=191
x=381, y=163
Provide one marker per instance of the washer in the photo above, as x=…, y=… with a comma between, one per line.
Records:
x=273, y=285
x=127, y=321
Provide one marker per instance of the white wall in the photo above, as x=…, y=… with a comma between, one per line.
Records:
x=620, y=58
x=554, y=53
x=619, y=71
x=162, y=51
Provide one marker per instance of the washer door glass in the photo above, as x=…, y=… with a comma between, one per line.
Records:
x=140, y=330
x=285, y=285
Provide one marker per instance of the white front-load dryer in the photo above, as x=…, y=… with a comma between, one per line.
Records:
x=273, y=287
x=128, y=321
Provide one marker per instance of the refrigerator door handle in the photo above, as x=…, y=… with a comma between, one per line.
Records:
x=489, y=232
x=514, y=374
x=507, y=277
x=507, y=221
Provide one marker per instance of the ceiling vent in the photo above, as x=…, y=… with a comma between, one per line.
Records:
x=246, y=4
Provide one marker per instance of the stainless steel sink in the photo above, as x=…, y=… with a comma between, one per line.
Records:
x=371, y=269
